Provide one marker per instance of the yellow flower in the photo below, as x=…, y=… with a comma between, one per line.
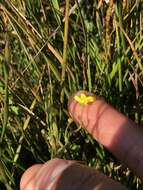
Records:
x=83, y=99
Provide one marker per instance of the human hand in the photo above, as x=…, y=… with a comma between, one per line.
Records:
x=116, y=132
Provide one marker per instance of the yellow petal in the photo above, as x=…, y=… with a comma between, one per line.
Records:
x=84, y=100
x=78, y=99
x=83, y=96
x=90, y=99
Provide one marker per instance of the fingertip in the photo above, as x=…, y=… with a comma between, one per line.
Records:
x=74, y=107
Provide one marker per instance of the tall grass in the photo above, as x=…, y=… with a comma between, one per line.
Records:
x=48, y=50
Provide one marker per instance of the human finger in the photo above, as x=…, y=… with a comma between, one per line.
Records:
x=116, y=132
x=60, y=174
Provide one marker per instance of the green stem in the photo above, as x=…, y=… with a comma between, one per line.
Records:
x=65, y=40
x=5, y=69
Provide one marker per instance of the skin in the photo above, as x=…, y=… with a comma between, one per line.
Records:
x=117, y=133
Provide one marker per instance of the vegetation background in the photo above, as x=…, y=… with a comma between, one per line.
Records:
x=48, y=50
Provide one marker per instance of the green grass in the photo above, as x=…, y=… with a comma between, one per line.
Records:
x=50, y=49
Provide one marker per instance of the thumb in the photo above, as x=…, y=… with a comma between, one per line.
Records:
x=112, y=129
x=66, y=175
